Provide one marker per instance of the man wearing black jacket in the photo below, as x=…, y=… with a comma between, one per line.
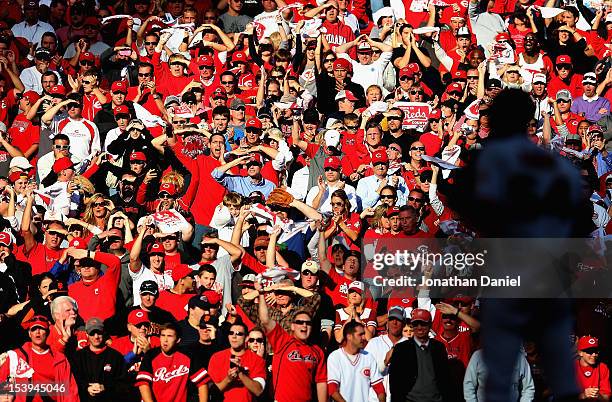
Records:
x=20, y=272
x=99, y=371
x=418, y=369
x=328, y=87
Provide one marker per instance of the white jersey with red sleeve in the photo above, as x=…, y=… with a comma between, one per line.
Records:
x=353, y=375
x=83, y=134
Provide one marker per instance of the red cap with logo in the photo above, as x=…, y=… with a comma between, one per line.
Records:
x=392, y=211
x=62, y=164
x=88, y=56
x=454, y=87
x=180, y=271
x=332, y=162
x=219, y=93
x=380, y=157
x=435, y=114
x=356, y=286
x=239, y=57
x=57, y=90
x=121, y=109
x=563, y=59
x=138, y=316
x=587, y=342
x=213, y=297
x=13, y=177
x=36, y=321
x=138, y=156
x=406, y=72
x=119, y=86
x=31, y=96
x=460, y=75
x=5, y=239
x=419, y=314
x=253, y=122
x=205, y=60
x=342, y=64
x=502, y=36
x=414, y=67
x=156, y=248
x=169, y=188
x=78, y=243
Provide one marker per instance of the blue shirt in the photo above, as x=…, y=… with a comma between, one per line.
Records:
x=241, y=184
x=366, y=190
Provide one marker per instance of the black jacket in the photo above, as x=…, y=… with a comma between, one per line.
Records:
x=107, y=368
x=326, y=93
x=403, y=369
x=21, y=273
x=105, y=118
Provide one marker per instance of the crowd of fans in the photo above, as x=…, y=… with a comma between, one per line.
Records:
x=192, y=192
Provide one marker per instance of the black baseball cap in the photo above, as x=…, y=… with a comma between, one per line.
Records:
x=149, y=287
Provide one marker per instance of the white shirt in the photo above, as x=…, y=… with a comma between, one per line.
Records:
x=164, y=281
x=32, y=79
x=325, y=204
x=351, y=20
x=33, y=33
x=367, y=186
x=45, y=165
x=355, y=375
x=111, y=136
x=378, y=348
x=268, y=20
x=369, y=74
x=299, y=184
x=83, y=134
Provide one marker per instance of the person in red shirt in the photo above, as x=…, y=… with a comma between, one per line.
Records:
x=432, y=140
x=170, y=77
x=565, y=78
x=344, y=225
x=593, y=376
x=144, y=93
x=175, y=300
x=36, y=360
x=238, y=372
x=298, y=367
x=165, y=371
x=94, y=293
x=458, y=343
x=8, y=96
x=337, y=32
x=409, y=221
x=23, y=134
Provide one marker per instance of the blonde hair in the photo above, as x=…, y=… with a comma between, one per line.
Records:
x=379, y=212
x=232, y=199
x=88, y=215
x=275, y=39
x=85, y=184
x=175, y=178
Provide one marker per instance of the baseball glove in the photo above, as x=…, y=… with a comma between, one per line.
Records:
x=279, y=197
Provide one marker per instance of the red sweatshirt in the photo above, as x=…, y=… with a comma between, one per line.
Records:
x=97, y=298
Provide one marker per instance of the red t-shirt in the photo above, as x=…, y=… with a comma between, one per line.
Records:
x=459, y=347
x=97, y=298
x=594, y=377
x=296, y=367
x=353, y=222
x=6, y=104
x=23, y=133
x=91, y=106
x=171, y=261
x=40, y=257
x=219, y=365
x=124, y=345
x=432, y=143
x=174, y=303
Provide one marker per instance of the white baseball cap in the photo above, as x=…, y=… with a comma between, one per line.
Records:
x=332, y=138
x=20, y=162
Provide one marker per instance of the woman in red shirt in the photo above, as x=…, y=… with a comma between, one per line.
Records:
x=344, y=225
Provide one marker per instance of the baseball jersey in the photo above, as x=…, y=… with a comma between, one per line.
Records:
x=219, y=365
x=354, y=374
x=459, y=347
x=594, y=377
x=174, y=303
x=378, y=348
x=40, y=257
x=168, y=375
x=164, y=281
x=296, y=366
x=83, y=134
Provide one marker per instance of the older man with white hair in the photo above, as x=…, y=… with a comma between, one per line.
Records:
x=64, y=311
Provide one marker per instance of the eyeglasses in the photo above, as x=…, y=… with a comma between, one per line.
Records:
x=151, y=43
x=472, y=77
x=86, y=63
x=376, y=52
x=417, y=148
x=328, y=61
x=391, y=118
x=136, y=163
x=337, y=204
x=86, y=82
x=563, y=101
x=206, y=67
x=144, y=74
x=99, y=204
x=302, y=322
x=261, y=248
x=564, y=67
x=420, y=324
x=227, y=82
x=61, y=147
x=239, y=109
x=179, y=122
x=413, y=199
x=96, y=332
x=330, y=169
x=165, y=196
x=416, y=92
x=405, y=78
x=256, y=340
x=352, y=128
x=177, y=63
x=591, y=351
x=236, y=333
x=253, y=130
x=387, y=197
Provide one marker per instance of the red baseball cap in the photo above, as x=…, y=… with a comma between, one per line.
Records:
x=419, y=314
x=62, y=164
x=406, y=72
x=253, y=122
x=239, y=57
x=121, y=109
x=5, y=239
x=138, y=316
x=13, y=177
x=36, y=321
x=219, y=92
x=87, y=56
x=380, y=157
x=32, y=96
x=138, y=156
x=502, y=36
x=180, y=271
x=392, y=211
x=460, y=75
x=356, y=286
x=435, y=114
x=563, y=59
x=57, y=90
x=256, y=158
x=78, y=243
x=342, y=64
x=119, y=86
x=169, y=188
x=213, y=297
x=333, y=162
x=205, y=60
x=588, y=342
x=454, y=87
x=414, y=67
x=156, y=248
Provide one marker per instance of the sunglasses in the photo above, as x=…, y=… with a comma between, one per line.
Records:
x=165, y=196
x=417, y=148
x=236, y=333
x=330, y=169
x=209, y=246
x=260, y=248
x=329, y=60
x=206, y=67
x=563, y=101
x=151, y=43
x=177, y=63
x=420, y=324
x=405, y=78
x=416, y=92
x=591, y=351
x=391, y=118
x=99, y=204
x=61, y=147
x=145, y=74
x=413, y=199
x=179, y=122
x=239, y=109
x=337, y=204
x=376, y=52
x=256, y=340
x=308, y=273
x=352, y=128
x=86, y=63
x=394, y=149
x=472, y=77
x=86, y=82
x=252, y=129
x=136, y=163
x=227, y=82
x=303, y=322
